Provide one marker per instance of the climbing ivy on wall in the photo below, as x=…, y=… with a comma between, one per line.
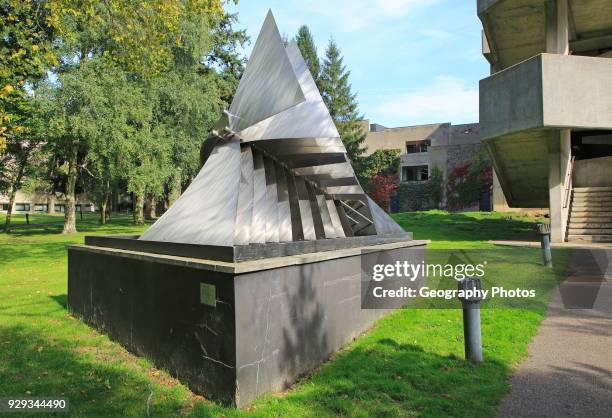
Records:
x=422, y=195
x=467, y=183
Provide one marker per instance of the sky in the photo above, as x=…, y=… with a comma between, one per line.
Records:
x=412, y=62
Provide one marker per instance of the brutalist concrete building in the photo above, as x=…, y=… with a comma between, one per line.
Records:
x=546, y=109
x=423, y=148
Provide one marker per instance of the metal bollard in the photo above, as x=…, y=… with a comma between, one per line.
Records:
x=471, y=321
x=544, y=231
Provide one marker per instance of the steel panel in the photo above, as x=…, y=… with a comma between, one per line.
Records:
x=260, y=203
x=344, y=220
x=344, y=190
x=307, y=119
x=272, y=200
x=245, y=198
x=317, y=218
x=343, y=169
x=335, y=218
x=285, y=146
x=305, y=211
x=383, y=223
x=206, y=212
x=297, y=232
x=284, y=210
x=268, y=85
x=328, y=228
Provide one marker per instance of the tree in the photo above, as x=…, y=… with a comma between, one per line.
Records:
x=26, y=34
x=342, y=104
x=143, y=39
x=191, y=95
x=308, y=49
x=379, y=162
x=23, y=157
x=383, y=186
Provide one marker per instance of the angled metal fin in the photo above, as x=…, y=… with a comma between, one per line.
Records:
x=268, y=85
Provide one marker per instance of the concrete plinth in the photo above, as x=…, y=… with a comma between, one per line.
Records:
x=230, y=331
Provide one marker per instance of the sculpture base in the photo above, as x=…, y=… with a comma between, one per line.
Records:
x=230, y=331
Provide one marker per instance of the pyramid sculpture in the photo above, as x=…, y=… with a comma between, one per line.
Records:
x=275, y=169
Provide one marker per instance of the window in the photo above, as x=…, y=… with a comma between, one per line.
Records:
x=60, y=208
x=41, y=207
x=5, y=206
x=22, y=207
x=415, y=173
x=417, y=147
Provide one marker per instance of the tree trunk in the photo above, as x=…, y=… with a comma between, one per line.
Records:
x=175, y=187
x=139, y=208
x=9, y=212
x=14, y=187
x=151, y=203
x=102, y=204
x=70, y=215
x=109, y=209
x=51, y=204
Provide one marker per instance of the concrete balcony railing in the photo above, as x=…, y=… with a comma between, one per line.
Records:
x=547, y=91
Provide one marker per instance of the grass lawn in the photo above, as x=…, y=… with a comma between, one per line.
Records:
x=410, y=364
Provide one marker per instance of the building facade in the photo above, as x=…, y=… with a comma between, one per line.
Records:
x=546, y=109
x=40, y=202
x=423, y=147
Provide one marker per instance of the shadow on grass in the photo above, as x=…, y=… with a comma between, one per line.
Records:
x=62, y=300
x=34, y=366
x=89, y=225
x=387, y=378
x=40, y=251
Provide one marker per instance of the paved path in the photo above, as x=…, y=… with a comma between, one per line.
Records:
x=536, y=244
x=569, y=369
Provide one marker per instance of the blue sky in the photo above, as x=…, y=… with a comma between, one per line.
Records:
x=411, y=61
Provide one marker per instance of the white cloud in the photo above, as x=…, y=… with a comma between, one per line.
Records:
x=447, y=99
x=398, y=8
x=436, y=34
x=352, y=15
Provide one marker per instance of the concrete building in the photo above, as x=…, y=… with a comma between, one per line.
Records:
x=38, y=202
x=546, y=109
x=424, y=147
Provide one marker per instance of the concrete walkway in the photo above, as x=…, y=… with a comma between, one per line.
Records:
x=536, y=244
x=569, y=369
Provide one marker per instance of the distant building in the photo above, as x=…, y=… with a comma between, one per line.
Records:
x=38, y=202
x=424, y=147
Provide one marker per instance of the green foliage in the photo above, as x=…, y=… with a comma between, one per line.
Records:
x=26, y=34
x=225, y=59
x=421, y=195
x=379, y=162
x=342, y=103
x=23, y=161
x=308, y=49
x=138, y=87
x=140, y=37
x=109, y=117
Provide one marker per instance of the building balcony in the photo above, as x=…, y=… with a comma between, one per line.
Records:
x=547, y=91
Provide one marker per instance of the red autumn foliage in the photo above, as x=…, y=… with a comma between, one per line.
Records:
x=461, y=170
x=382, y=188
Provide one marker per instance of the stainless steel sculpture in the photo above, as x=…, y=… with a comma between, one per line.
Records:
x=275, y=169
